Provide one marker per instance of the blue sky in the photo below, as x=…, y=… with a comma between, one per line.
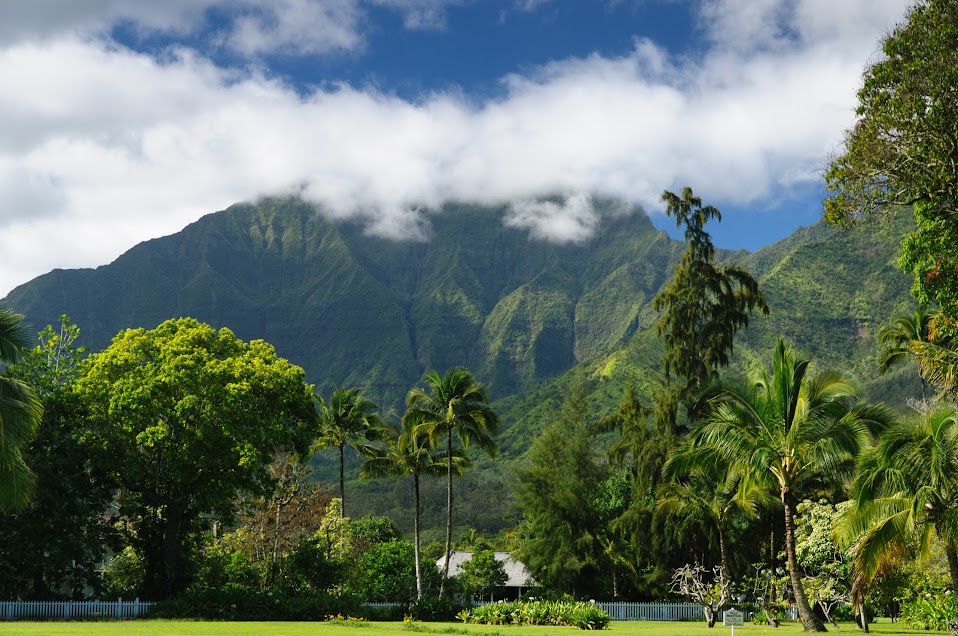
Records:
x=124, y=120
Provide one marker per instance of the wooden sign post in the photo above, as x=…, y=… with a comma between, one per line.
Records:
x=732, y=618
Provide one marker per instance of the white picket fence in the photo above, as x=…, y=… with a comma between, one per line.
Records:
x=120, y=609
x=72, y=610
x=622, y=611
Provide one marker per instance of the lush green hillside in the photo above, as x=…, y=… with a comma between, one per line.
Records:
x=527, y=316
x=353, y=309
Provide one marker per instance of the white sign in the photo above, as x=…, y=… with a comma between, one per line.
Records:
x=733, y=618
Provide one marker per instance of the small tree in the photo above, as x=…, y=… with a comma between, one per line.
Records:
x=482, y=573
x=690, y=581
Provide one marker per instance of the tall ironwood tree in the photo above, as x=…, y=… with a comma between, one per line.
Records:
x=703, y=306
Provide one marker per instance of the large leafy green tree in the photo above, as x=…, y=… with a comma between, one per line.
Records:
x=190, y=417
x=903, y=150
x=905, y=494
x=787, y=430
x=348, y=420
x=20, y=413
x=408, y=452
x=703, y=306
x=453, y=405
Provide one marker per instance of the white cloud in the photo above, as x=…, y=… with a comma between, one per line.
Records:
x=249, y=27
x=101, y=147
x=571, y=220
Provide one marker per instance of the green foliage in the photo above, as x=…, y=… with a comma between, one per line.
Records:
x=435, y=609
x=311, y=567
x=236, y=604
x=581, y=615
x=563, y=525
x=703, y=306
x=386, y=572
x=928, y=603
x=762, y=426
x=454, y=404
x=348, y=420
x=904, y=494
x=125, y=574
x=190, y=417
x=20, y=414
x=480, y=574
x=52, y=548
x=903, y=149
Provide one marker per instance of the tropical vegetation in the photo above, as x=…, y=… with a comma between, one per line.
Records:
x=673, y=419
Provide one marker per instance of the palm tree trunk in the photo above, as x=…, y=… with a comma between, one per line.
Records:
x=445, y=569
x=342, y=486
x=952, y=555
x=723, y=556
x=810, y=620
x=415, y=532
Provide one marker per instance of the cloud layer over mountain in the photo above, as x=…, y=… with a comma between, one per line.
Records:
x=94, y=135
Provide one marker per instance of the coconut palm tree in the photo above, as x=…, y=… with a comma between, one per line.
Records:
x=711, y=495
x=453, y=405
x=408, y=452
x=787, y=429
x=20, y=414
x=349, y=419
x=899, y=336
x=905, y=494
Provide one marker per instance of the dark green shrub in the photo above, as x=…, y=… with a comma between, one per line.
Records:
x=435, y=610
x=234, y=604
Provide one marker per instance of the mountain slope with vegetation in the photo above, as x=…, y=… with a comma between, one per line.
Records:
x=530, y=318
x=356, y=309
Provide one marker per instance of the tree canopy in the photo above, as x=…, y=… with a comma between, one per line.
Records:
x=191, y=417
x=903, y=150
x=704, y=304
x=20, y=413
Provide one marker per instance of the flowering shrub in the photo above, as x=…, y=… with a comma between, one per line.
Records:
x=581, y=615
x=928, y=603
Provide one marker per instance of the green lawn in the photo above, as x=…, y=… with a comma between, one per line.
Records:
x=191, y=628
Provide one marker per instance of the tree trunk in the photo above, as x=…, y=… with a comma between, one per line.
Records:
x=342, y=485
x=810, y=620
x=723, y=557
x=171, y=550
x=445, y=569
x=773, y=590
x=415, y=531
x=952, y=555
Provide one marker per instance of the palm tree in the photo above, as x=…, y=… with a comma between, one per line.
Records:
x=711, y=495
x=349, y=419
x=408, y=452
x=906, y=489
x=20, y=414
x=938, y=363
x=454, y=404
x=899, y=336
x=786, y=430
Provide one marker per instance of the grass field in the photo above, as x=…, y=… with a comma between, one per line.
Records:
x=197, y=628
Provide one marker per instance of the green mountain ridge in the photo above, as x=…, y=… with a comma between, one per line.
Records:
x=528, y=317
x=354, y=309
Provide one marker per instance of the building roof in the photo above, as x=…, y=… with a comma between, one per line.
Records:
x=516, y=573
